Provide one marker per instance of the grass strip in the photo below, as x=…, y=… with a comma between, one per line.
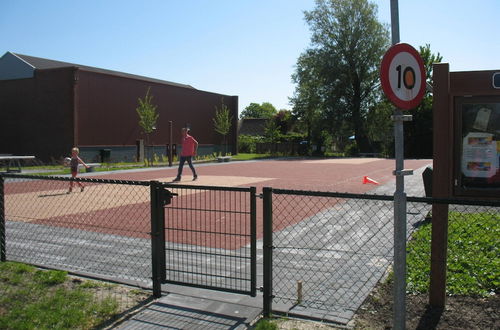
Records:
x=47, y=299
x=473, y=265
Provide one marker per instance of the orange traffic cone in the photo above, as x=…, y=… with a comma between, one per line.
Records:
x=368, y=180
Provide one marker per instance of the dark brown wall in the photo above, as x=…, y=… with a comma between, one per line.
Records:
x=36, y=114
x=106, y=111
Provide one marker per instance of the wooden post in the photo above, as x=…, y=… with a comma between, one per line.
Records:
x=299, y=292
x=441, y=184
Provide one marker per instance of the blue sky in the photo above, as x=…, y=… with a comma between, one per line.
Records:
x=236, y=47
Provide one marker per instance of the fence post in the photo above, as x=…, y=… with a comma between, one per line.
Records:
x=268, y=250
x=3, y=256
x=156, y=236
x=439, y=249
x=253, y=241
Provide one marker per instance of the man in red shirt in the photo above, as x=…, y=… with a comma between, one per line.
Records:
x=189, y=148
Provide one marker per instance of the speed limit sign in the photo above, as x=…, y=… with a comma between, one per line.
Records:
x=402, y=76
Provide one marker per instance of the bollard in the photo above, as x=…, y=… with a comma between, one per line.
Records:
x=299, y=292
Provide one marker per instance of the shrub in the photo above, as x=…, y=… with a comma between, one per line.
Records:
x=247, y=143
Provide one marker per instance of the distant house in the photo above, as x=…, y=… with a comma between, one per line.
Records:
x=48, y=106
x=252, y=126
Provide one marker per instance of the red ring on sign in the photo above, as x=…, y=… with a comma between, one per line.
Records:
x=384, y=76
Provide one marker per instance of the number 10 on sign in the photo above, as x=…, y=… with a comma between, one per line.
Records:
x=402, y=76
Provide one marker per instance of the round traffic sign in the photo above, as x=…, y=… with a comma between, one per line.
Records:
x=402, y=76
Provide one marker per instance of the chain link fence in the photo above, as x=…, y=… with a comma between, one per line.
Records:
x=332, y=253
x=98, y=231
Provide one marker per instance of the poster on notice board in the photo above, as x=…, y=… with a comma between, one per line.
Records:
x=480, y=160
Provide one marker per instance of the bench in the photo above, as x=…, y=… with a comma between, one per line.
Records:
x=14, y=162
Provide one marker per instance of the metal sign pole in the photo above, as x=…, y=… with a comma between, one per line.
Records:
x=400, y=223
x=394, y=22
x=399, y=201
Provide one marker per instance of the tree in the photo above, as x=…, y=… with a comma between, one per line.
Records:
x=271, y=131
x=147, y=116
x=418, y=132
x=284, y=121
x=307, y=98
x=222, y=122
x=337, y=75
x=254, y=110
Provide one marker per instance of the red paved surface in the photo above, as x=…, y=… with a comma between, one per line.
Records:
x=290, y=174
x=196, y=218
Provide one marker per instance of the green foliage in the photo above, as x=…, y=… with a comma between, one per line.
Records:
x=380, y=127
x=40, y=299
x=265, y=324
x=473, y=248
x=147, y=118
x=13, y=272
x=271, y=132
x=337, y=74
x=418, y=132
x=254, y=110
x=246, y=156
x=247, y=143
x=429, y=59
x=222, y=120
x=352, y=150
x=284, y=121
x=147, y=113
x=292, y=137
x=50, y=277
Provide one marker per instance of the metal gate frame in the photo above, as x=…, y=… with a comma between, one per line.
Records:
x=161, y=197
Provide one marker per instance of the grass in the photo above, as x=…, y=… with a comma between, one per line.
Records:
x=48, y=299
x=473, y=247
x=266, y=324
x=242, y=156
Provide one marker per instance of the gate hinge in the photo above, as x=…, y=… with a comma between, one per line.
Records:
x=261, y=289
x=260, y=196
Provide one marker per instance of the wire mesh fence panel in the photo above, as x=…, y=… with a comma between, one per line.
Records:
x=473, y=266
x=330, y=252
x=209, y=237
x=100, y=229
x=333, y=254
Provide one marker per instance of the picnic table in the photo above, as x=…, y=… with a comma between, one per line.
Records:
x=14, y=162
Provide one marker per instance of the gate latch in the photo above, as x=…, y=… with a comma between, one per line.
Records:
x=166, y=196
